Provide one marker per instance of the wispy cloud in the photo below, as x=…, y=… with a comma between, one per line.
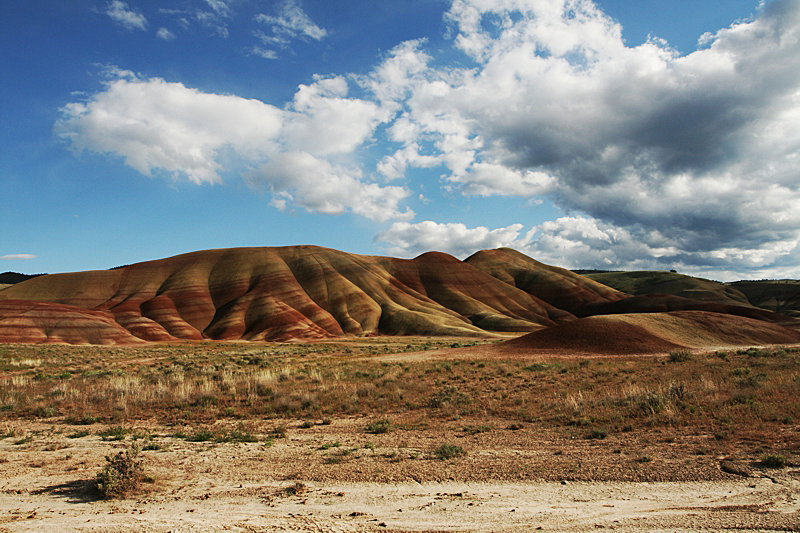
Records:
x=16, y=257
x=128, y=18
x=266, y=53
x=165, y=34
x=212, y=14
x=291, y=22
x=220, y=7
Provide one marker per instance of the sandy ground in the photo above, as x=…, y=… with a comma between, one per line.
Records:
x=327, y=478
x=754, y=505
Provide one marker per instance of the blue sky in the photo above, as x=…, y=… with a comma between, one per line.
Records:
x=615, y=134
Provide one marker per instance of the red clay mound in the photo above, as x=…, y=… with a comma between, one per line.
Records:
x=37, y=322
x=648, y=333
x=592, y=336
x=702, y=329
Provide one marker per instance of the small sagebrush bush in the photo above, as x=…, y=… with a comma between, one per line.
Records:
x=597, y=434
x=652, y=402
x=122, y=474
x=773, y=460
x=448, y=451
x=203, y=435
x=679, y=356
x=474, y=430
x=114, y=433
x=379, y=426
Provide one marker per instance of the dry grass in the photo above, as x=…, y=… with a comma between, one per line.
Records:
x=727, y=394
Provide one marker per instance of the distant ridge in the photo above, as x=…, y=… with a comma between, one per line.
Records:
x=10, y=278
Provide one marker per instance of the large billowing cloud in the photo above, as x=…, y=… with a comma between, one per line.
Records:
x=163, y=127
x=583, y=242
x=703, y=149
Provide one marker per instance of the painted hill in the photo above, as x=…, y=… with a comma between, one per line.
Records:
x=661, y=282
x=665, y=303
x=557, y=286
x=24, y=321
x=781, y=296
x=308, y=292
x=649, y=333
x=10, y=278
x=294, y=292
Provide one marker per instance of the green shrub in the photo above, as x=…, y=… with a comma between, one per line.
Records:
x=379, y=426
x=114, y=433
x=773, y=460
x=203, y=435
x=680, y=356
x=448, y=451
x=597, y=434
x=122, y=474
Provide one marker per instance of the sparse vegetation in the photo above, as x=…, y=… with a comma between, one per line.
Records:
x=773, y=460
x=597, y=434
x=379, y=426
x=114, y=433
x=448, y=451
x=122, y=474
x=748, y=390
x=680, y=356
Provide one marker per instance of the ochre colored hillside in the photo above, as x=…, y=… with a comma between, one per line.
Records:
x=24, y=321
x=308, y=292
x=557, y=286
x=663, y=303
x=295, y=292
x=781, y=296
x=662, y=282
x=649, y=333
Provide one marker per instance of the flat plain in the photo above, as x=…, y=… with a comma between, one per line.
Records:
x=399, y=434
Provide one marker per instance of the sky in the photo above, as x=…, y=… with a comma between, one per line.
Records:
x=607, y=134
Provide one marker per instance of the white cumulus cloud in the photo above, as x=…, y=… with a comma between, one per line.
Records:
x=660, y=158
x=405, y=239
x=589, y=243
x=704, y=147
x=17, y=257
x=161, y=127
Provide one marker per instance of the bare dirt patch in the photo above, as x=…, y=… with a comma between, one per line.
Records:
x=330, y=478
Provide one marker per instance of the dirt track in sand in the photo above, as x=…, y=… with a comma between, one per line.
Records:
x=508, y=481
x=760, y=505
